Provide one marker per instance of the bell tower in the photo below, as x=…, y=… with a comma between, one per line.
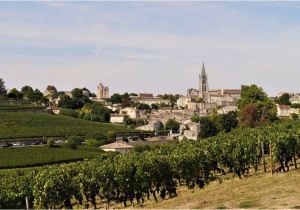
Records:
x=203, y=83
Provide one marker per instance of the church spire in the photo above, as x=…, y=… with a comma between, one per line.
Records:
x=203, y=70
x=203, y=82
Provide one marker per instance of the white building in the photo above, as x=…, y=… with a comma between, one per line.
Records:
x=286, y=111
x=184, y=101
x=190, y=130
x=118, y=146
x=149, y=99
x=227, y=109
x=295, y=99
x=117, y=118
x=132, y=113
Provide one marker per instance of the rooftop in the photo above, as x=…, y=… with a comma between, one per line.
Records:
x=117, y=145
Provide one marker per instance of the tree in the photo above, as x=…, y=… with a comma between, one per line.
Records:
x=207, y=127
x=77, y=93
x=250, y=116
x=66, y=102
x=227, y=121
x=195, y=118
x=284, y=99
x=154, y=106
x=27, y=92
x=3, y=90
x=294, y=116
x=172, y=125
x=15, y=94
x=251, y=95
x=50, y=142
x=255, y=107
x=68, y=112
x=37, y=95
x=101, y=111
x=116, y=98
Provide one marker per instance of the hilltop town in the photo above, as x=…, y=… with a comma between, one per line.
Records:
x=176, y=116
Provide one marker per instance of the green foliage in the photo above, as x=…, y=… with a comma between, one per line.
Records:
x=15, y=186
x=15, y=94
x=92, y=143
x=14, y=125
x=255, y=107
x=131, y=177
x=207, y=127
x=66, y=102
x=172, y=125
x=50, y=143
x=296, y=106
x=41, y=155
x=294, y=116
x=142, y=106
x=133, y=123
x=173, y=98
x=227, y=122
x=55, y=187
x=73, y=142
x=2, y=88
x=120, y=99
x=251, y=95
x=284, y=99
x=32, y=95
x=195, y=118
x=101, y=111
x=68, y=112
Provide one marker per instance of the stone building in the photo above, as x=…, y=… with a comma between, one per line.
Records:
x=102, y=91
x=149, y=99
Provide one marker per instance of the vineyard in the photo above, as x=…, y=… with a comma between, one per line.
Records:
x=41, y=155
x=17, y=125
x=132, y=178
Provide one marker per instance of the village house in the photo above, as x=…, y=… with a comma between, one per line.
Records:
x=118, y=146
x=132, y=113
x=117, y=118
x=183, y=102
x=190, y=130
x=154, y=125
x=295, y=99
x=286, y=111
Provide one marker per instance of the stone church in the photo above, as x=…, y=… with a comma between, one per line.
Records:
x=205, y=99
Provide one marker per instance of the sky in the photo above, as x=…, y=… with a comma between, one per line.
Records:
x=153, y=47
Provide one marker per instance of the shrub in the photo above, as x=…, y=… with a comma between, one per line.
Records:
x=50, y=143
x=69, y=112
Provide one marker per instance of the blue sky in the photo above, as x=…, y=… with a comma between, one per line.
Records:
x=154, y=47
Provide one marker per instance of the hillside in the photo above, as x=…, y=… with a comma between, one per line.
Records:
x=280, y=191
x=14, y=125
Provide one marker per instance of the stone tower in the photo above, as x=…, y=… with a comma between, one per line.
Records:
x=102, y=91
x=203, y=84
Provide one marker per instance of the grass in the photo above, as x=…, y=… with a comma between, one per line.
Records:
x=19, y=124
x=280, y=191
x=41, y=155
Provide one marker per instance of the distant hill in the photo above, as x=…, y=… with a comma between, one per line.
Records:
x=19, y=124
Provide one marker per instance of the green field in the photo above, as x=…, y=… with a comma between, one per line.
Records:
x=17, y=107
x=41, y=155
x=17, y=125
